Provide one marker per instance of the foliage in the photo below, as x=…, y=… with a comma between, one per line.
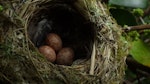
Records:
x=138, y=12
x=140, y=52
x=129, y=13
x=122, y=16
x=147, y=19
x=134, y=35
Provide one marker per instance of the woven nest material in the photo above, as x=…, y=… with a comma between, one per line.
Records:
x=100, y=52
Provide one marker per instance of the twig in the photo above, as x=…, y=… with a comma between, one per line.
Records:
x=92, y=60
x=143, y=22
x=139, y=27
x=6, y=79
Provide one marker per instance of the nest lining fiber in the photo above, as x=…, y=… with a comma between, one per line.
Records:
x=22, y=63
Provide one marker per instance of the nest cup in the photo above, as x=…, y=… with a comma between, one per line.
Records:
x=80, y=24
x=63, y=19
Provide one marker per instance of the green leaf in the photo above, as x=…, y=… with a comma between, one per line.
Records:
x=130, y=3
x=141, y=52
x=123, y=17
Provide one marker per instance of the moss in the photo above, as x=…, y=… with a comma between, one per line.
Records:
x=27, y=64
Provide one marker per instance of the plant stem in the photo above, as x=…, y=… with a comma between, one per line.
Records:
x=138, y=27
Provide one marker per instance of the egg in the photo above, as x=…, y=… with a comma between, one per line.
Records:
x=48, y=52
x=65, y=56
x=54, y=41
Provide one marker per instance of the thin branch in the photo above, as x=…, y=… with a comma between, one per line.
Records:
x=143, y=22
x=138, y=27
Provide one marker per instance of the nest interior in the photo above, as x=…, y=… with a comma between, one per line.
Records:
x=63, y=19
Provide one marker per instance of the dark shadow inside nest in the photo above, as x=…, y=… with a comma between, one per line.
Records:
x=75, y=31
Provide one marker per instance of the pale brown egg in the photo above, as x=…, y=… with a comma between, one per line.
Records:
x=48, y=52
x=65, y=56
x=54, y=41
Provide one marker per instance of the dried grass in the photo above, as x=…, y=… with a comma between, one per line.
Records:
x=22, y=63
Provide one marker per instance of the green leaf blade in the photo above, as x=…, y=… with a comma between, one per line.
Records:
x=141, y=52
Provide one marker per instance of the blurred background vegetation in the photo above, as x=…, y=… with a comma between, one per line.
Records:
x=134, y=18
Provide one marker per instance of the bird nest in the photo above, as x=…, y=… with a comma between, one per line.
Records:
x=84, y=25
